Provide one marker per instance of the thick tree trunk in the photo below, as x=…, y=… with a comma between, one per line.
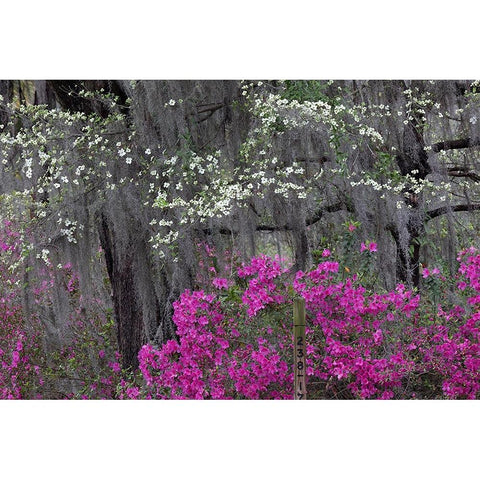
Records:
x=402, y=264
x=128, y=315
x=142, y=312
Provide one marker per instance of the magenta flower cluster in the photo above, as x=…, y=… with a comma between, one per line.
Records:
x=210, y=359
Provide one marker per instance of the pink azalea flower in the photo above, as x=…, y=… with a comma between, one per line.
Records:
x=220, y=283
x=372, y=247
x=115, y=366
x=378, y=336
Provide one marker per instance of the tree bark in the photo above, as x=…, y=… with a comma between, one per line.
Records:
x=128, y=315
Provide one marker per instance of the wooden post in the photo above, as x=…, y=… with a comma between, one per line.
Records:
x=299, y=366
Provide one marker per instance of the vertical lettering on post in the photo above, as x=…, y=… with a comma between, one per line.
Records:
x=299, y=365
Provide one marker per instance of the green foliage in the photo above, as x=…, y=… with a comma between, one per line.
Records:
x=305, y=90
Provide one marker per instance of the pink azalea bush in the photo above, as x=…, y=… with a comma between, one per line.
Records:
x=238, y=343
